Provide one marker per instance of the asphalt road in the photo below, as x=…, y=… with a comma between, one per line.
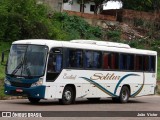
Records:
x=146, y=103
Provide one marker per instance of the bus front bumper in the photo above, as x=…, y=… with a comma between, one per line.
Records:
x=34, y=92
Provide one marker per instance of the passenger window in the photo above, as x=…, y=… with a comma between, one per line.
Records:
x=97, y=62
x=139, y=62
x=54, y=66
x=152, y=63
x=146, y=63
x=93, y=59
x=130, y=62
x=55, y=61
x=106, y=64
x=75, y=58
x=114, y=60
x=123, y=61
x=88, y=59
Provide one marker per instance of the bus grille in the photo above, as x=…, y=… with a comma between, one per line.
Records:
x=16, y=84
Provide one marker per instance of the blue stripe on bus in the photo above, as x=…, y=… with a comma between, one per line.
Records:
x=122, y=79
x=100, y=87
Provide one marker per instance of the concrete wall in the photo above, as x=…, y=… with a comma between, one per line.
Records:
x=91, y=16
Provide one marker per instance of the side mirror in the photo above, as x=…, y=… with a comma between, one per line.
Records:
x=2, y=57
x=3, y=61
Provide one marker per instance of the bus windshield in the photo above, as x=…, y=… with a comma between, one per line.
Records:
x=27, y=60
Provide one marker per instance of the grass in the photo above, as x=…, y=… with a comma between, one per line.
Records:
x=3, y=47
x=158, y=69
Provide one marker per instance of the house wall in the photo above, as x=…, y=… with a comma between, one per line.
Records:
x=87, y=8
x=67, y=6
x=76, y=7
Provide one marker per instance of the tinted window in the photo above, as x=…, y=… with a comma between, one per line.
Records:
x=75, y=58
x=146, y=63
x=55, y=60
x=130, y=62
x=114, y=60
x=54, y=66
x=152, y=62
x=123, y=61
x=106, y=64
x=93, y=59
x=139, y=62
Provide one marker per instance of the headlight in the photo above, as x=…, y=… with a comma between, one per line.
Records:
x=7, y=82
x=38, y=83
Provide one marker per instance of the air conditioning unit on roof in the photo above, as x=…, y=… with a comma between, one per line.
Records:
x=102, y=43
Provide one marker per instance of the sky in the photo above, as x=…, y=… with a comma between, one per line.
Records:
x=112, y=5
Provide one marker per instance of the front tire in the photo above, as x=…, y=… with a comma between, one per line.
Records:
x=34, y=100
x=67, y=96
x=124, y=94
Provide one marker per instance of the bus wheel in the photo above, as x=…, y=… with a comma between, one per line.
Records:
x=67, y=96
x=124, y=95
x=33, y=100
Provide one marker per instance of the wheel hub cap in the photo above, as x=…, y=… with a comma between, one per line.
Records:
x=67, y=95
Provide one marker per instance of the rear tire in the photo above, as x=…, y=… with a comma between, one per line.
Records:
x=124, y=95
x=67, y=96
x=33, y=100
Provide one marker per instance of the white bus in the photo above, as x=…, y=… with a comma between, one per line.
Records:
x=49, y=69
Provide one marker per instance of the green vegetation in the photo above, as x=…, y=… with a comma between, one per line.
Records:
x=114, y=35
x=25, y=19
x=3, y=46
x=158, y=69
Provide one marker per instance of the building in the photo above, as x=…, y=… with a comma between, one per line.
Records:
x=72, y=5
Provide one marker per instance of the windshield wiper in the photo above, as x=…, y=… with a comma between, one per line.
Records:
x=17, y=68
x=26, y=68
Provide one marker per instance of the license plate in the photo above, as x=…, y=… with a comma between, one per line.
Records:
x=19, y=90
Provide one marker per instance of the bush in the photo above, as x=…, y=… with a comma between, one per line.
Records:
x=75, y=27
x=114, y=35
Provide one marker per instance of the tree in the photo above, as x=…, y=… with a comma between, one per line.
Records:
x=156, y=5
x=82, y=4
x=98, y=4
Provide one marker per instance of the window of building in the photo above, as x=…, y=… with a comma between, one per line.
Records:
x=92, y=7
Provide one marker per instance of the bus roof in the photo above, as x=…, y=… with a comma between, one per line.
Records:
x=88, y=44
